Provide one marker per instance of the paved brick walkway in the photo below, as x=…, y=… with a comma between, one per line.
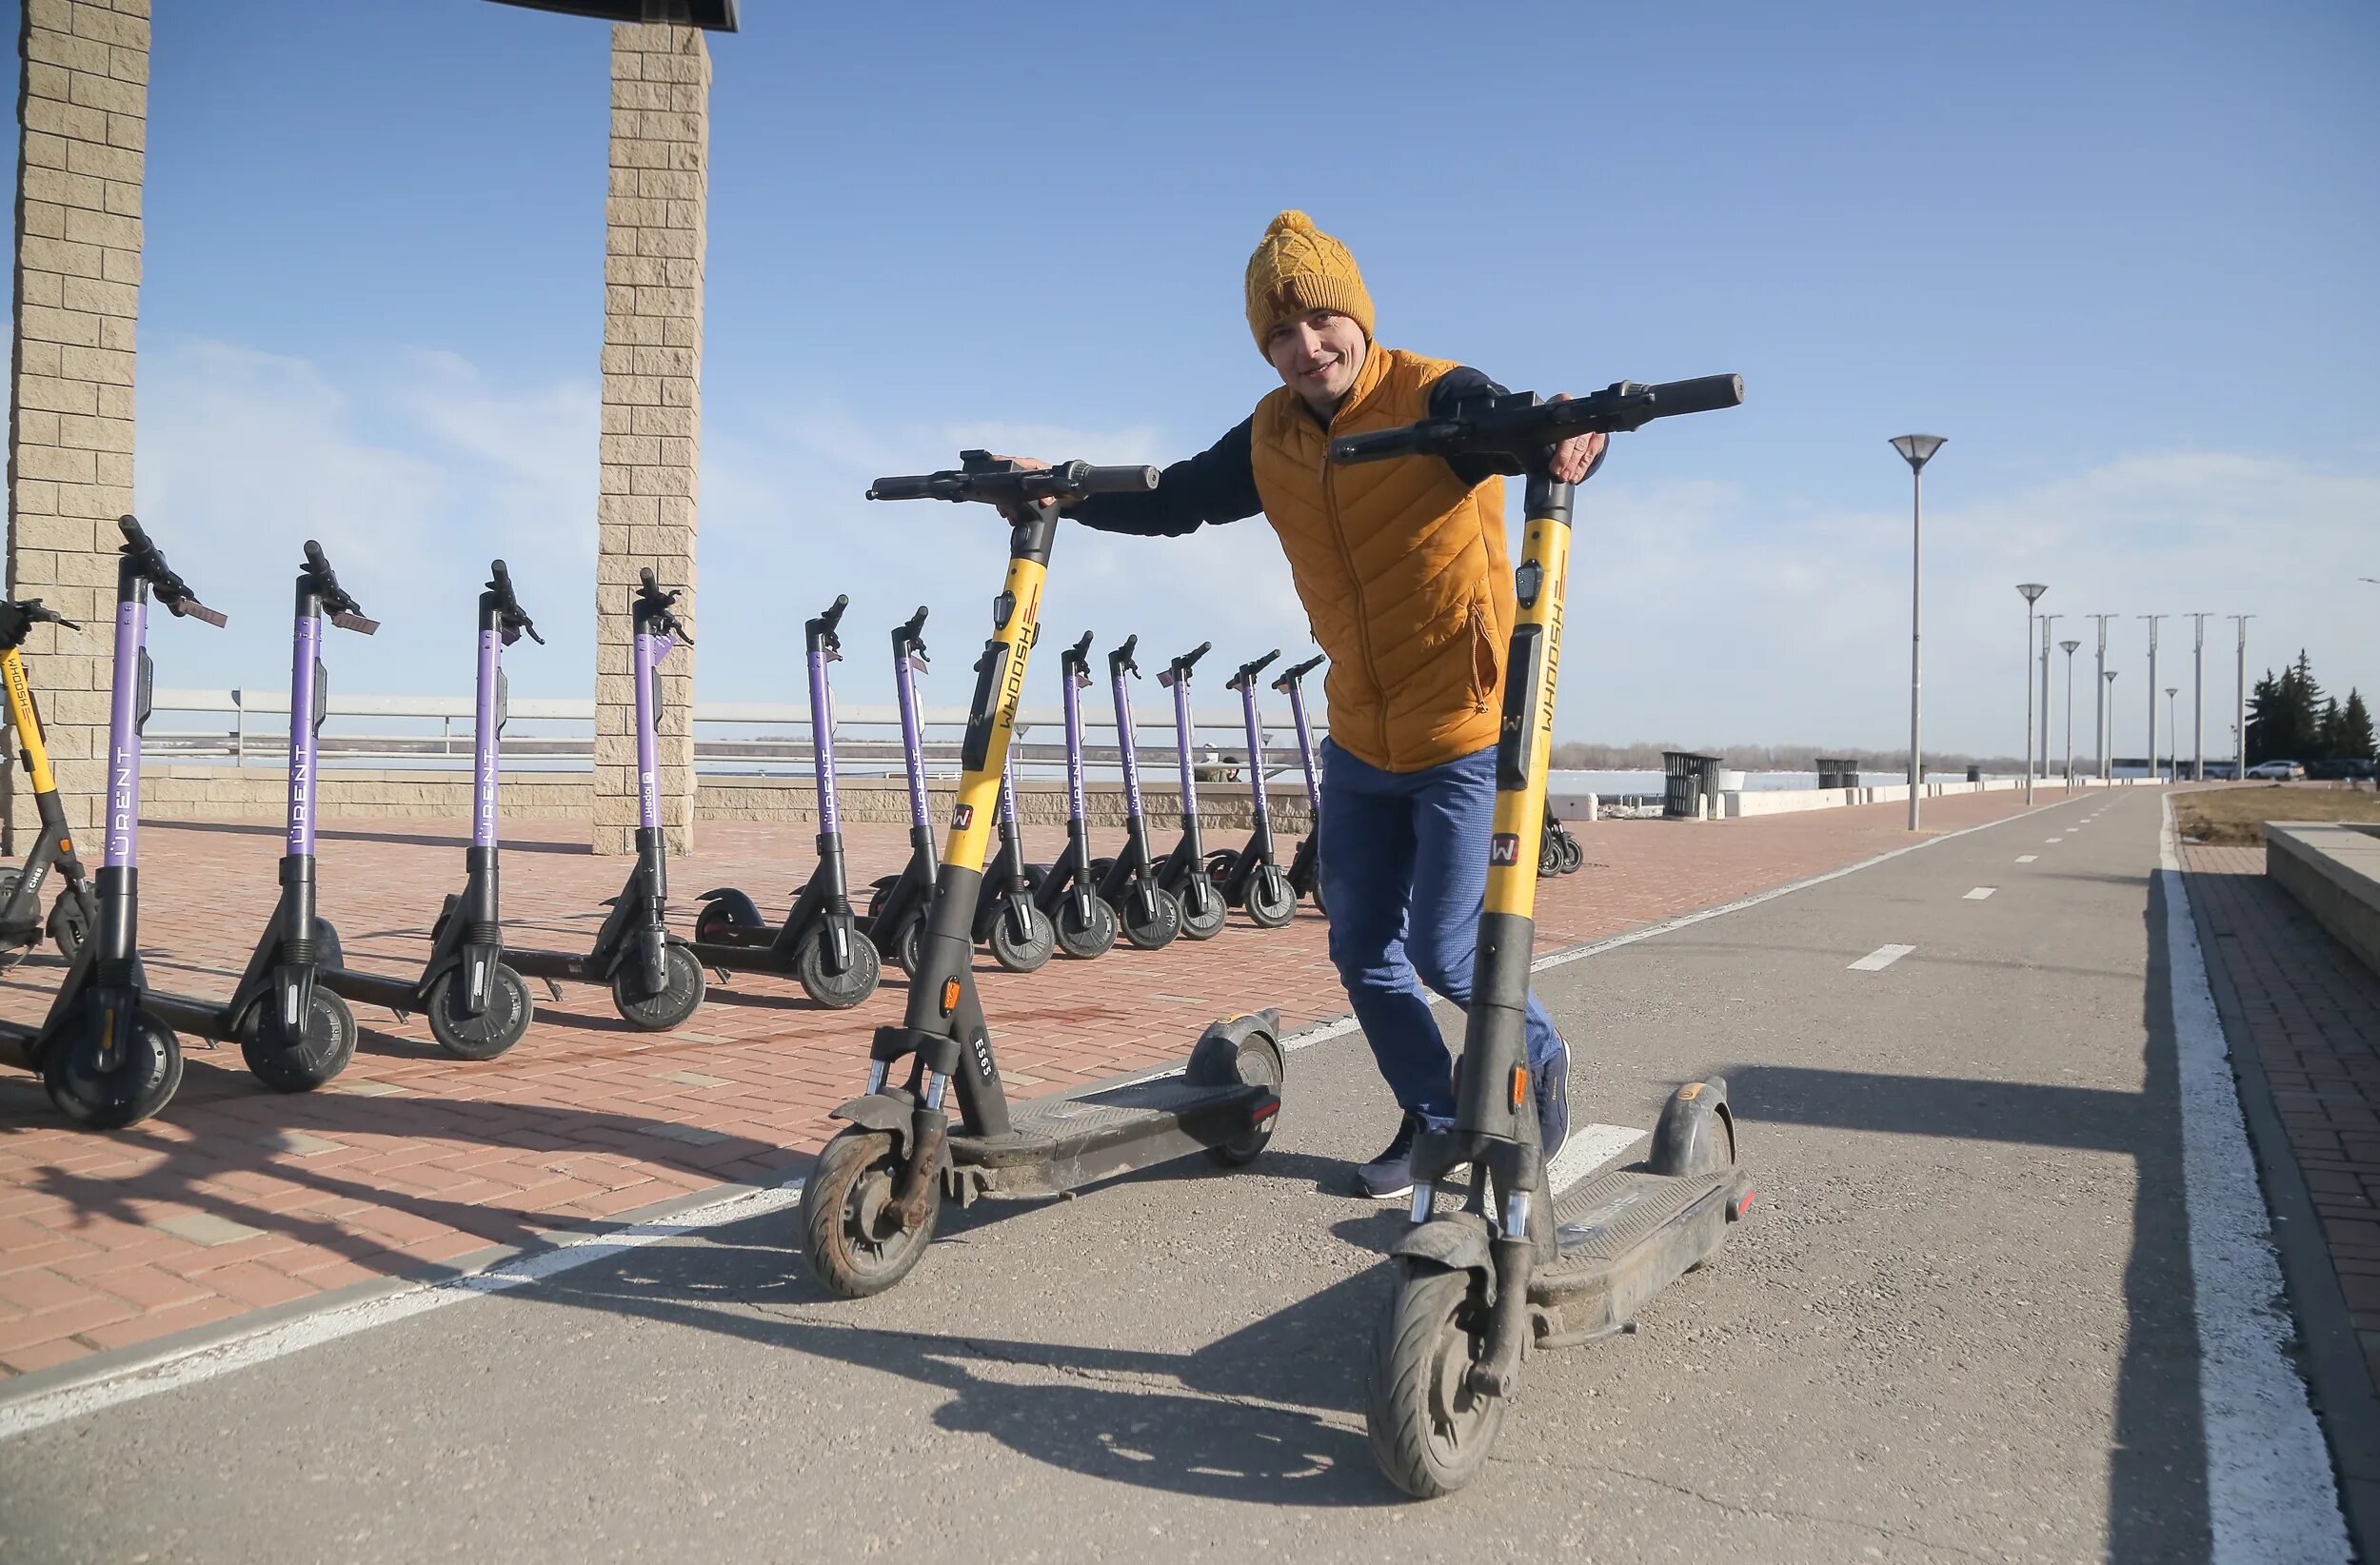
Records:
x=2313, y=1013
x=238, y=1199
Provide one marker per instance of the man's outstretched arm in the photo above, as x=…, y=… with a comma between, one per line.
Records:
x=1217, y=484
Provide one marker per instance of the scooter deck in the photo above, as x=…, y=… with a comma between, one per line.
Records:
x=1622, y=1238
x=1054, y=1144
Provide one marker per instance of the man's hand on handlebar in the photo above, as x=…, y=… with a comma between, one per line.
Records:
x=1571, y=461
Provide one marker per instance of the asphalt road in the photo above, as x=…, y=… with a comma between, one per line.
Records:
x=1958, y=1324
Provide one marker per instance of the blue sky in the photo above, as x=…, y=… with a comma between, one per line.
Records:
x=2122, y=255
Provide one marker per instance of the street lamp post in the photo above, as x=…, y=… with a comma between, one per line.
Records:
x=2047, y=621
x=2198, y=699
x=2070, y=647
x=2099, y=720
x=2153, y=620
x=2174, y=773
x=2107, y=676
x=2032, y=591
x=1917, y=450
x=2239, y=702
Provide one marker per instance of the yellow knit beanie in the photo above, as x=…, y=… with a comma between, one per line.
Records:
x=1298, y=267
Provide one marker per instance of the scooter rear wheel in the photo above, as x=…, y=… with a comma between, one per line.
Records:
x=300, y=1064
x=680, y=997
x=1217, y=1061
x=837, y=990
x=1431, y=1432
x=1573, y=856
x=911, y=955
x=500, y=1025
x=1027, y=955
x=1096, y=940
x=1154, y=930
x=1549, y=857
x=103, y=1096
x=854, y=1244
x=717, y=923
x=70, y=924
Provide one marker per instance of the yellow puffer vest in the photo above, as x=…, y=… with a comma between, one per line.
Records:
x=1404, y=572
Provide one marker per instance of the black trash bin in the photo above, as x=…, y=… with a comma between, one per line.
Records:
x=1974, y=774
x=1839, y=773
x=1688, y=778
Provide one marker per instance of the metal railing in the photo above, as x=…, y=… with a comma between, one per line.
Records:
x=251, y=727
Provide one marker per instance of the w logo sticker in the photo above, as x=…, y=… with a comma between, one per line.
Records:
x=1504, y=848
x=961, y=818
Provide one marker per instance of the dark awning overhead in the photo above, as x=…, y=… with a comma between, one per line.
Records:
x=717, y=16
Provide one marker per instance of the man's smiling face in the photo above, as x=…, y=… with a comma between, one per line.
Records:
x=1317, y=356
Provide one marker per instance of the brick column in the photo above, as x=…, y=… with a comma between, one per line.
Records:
x=661, y=79
x=82, y=119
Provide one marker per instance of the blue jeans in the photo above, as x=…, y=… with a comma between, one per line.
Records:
x=1404, y=874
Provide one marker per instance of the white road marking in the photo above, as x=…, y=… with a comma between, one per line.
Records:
x=2056, y=840
x=172, y=1369
x=2269, y=1493
x=1587, y=1152
x=1980, y=893
x=1882, y=957
x=120, y=1380
x=2027, y=858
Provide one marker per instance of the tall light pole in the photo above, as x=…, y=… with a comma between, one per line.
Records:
x=2174, y=775
x=2153, y=620
x=2239, y=700
x=2032, y=591
x=2047, y=621
x=2198, y=698
x=2107, y=677
x=2070, y=647
x=2099, y=724
x=1917, y=450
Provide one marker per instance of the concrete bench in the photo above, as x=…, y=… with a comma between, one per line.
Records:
x=2332, y=871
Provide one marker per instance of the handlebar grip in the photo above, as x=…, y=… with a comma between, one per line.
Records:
x=133, y=534
x=1299, y=671
x=1190, y=659
x=1080, y=652
x=915, y=487
x=1703, y=394
x=1264, y=663
x=834, y=613
x=315, y=559
x=1091, y=480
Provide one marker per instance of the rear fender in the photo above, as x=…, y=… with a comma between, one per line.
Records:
x=741, y=908
x=1696, y=1132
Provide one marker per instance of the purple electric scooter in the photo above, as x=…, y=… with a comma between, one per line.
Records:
x=293, y=1028
x=1067, y=890
x=107, y=1054
x=656, y=981
x=896, y=911
x=476, y=1004
x=820, y=942
x=1183, y=871
x=1248, y=878
x=1305, y=874
x=1151, y=916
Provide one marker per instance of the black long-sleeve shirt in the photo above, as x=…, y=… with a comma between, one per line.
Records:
x=1218, y=484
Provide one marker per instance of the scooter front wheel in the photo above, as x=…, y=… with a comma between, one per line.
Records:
x=855, y=1244
x=1096, y=939
x=1203, y=910
x=106, y=1094
x=1272, y=901
x=680, y=996
x=304, y=1062
x=837, y=990
x=1430, y=1430
x=1030, y=954
x=1151, y=918
x=502, y=1021
x=1573, y=856
x=911, y=956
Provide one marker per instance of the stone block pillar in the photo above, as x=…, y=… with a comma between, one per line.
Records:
x=81, y=133
x=653, y=248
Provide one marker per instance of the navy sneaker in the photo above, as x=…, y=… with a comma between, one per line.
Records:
x=1389, y=1175
x=1552, y=1089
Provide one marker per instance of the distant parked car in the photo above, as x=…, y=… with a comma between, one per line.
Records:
x=2341, y=770
x=2285, y=771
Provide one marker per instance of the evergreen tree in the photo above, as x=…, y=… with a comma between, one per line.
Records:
x=2327, y=740
x=2265, y=720
x=2356, y=735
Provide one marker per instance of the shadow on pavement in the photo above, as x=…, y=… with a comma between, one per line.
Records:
x=2158, y=1502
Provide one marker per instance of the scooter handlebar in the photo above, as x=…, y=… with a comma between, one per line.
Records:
x=500, y=583
x=31, y=608
x=654, y=604
x=1121, y=661
x=1248, y=671
x=1179, y=668
x=909, y=636
x=345, y=612
x=1297, y=671
x=1522, y=424
x=1000, y=483
x=164, y=585
x=833, y=616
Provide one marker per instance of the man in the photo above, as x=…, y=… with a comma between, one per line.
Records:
x=1407, y=580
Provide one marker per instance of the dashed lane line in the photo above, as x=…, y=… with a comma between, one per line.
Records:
x=1979, y=893
x=2027, y=858
x=1882, y=957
